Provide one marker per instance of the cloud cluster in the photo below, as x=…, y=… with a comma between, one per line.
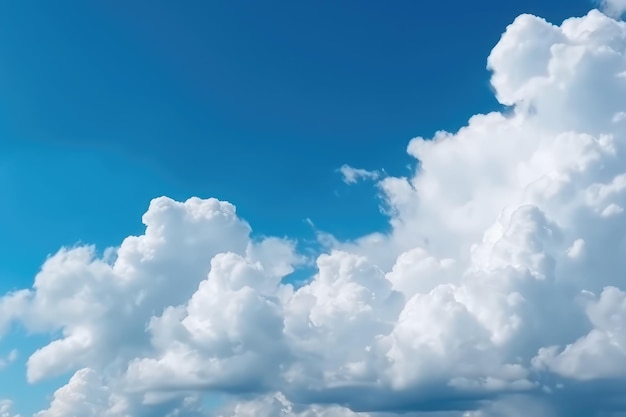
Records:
x=498, y=291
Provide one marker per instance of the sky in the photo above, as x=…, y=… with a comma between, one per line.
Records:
x=312, y=209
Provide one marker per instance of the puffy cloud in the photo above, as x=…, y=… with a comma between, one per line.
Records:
x=599, y=354
x=101, y=305
x=84, y=395
x=498, y=289
x=112, y=310
x=88, y=395
x=229, y=335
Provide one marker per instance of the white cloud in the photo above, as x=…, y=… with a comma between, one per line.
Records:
x=84, y=395
x=498, y=289
x=101, y=306
x=353, y=175
x=87, y=395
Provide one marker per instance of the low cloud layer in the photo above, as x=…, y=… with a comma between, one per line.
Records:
x=498, y=292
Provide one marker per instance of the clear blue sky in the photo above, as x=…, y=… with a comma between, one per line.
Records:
x=107, y=104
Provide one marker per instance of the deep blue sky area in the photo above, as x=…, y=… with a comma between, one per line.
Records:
x=104, y=105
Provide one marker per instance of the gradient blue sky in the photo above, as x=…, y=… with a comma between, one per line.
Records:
x=107, y=104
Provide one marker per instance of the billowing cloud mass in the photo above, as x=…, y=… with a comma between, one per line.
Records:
x=499, y=290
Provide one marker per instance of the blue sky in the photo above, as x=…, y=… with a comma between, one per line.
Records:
x=106, y=105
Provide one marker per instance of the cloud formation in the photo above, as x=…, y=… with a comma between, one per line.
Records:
x=498, y=291
x=352, y=175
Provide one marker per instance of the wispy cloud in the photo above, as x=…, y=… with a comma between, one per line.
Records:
x=9, y=359
x=352, y=175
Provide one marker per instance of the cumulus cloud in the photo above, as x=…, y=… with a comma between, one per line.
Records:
x=352, y=175
x=499, y=289
x=88, y=395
